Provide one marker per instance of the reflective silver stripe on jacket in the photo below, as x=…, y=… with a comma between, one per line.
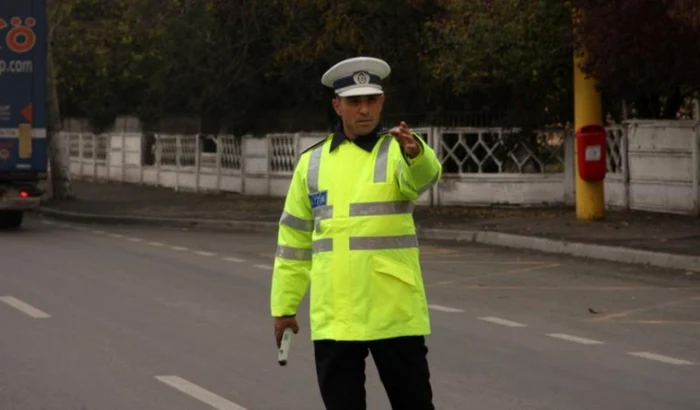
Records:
x=322, y=245
x=380, y=167
x=363, y=243
x=383, y=242
x=381, y=208
x=296, y=223
x=313, y=170
x=290, y=252
x=323, y=212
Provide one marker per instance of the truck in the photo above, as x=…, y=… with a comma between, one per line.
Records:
x=23, y=108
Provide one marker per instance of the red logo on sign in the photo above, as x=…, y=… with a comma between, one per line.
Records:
x=20, y=38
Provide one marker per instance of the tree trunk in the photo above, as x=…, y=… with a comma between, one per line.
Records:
x=60, y=179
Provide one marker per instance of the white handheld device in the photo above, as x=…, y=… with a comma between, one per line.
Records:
x=286, y=344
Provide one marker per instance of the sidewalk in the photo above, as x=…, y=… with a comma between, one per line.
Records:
x=670, y=241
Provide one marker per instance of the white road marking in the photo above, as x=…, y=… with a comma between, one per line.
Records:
x=98, y=232
x=116, y=235
x=231, y=259
x=135, y=239
x=660, y=358
x=45, y=222
x=575, y=339
x=24, y=307
x=199, y=393
x=445, y=309
x=204, y=253
x=502, y=322
x=266, y=267
x=178, y=248
x=156, y=244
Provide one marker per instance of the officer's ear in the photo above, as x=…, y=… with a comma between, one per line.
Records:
x=336, y=104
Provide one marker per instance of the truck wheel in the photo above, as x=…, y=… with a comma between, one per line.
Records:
x=11, y=219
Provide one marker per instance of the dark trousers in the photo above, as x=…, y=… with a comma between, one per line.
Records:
x=401, y=363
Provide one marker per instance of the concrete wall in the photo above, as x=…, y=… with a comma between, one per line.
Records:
x=652, y=165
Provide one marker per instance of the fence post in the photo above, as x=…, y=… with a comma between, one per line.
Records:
x=94, y=157
x=569, y=167
x=157, y=153
x=108, y=158
x=178, y=157
x=123, y=161
x=625, y=160
x=142, y=139
x=696, y=169
x=81, y=154
x=197, y=154
x=268, y=158
x=219, y=140
x=243, y=162
x=435, y=141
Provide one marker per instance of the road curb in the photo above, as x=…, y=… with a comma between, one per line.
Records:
x=577, y=249
x=523, y=242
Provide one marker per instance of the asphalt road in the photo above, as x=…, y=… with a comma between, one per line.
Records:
x=108, y=317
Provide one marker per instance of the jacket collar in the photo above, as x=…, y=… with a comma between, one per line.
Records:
x=366, y=142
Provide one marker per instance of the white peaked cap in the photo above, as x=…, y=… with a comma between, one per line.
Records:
x=357, y=76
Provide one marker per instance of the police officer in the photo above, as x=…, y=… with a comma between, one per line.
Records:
x=347, y=233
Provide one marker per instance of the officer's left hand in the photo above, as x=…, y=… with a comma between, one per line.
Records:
x=282, y=323
x=403, y=136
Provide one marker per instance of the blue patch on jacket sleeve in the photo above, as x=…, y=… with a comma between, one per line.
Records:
x=318, y=199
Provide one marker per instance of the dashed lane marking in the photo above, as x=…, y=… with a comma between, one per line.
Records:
x=502, y=322
x=24, y=307
x=660, y=358
x=266, y=267
x=160, y=244
x=445, y=309
x=575, y=339
x=199, y=393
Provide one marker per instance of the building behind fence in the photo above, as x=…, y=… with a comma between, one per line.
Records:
x=652, y=165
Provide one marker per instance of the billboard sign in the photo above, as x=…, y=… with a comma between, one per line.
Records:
x=23, y=85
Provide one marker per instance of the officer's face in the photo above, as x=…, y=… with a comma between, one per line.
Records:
x=360, y=114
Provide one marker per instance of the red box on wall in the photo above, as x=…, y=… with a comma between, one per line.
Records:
x=591, y=150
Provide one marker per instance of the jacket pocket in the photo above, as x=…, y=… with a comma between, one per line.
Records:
x=395, y=269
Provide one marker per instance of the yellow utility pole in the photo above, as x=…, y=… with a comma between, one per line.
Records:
x=590, y=196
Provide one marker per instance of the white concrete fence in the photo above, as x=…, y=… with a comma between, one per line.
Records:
x=652, y=165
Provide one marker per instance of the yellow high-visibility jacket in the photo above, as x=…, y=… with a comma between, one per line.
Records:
x=347, y=232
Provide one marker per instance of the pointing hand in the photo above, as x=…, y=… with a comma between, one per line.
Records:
x=403, y=136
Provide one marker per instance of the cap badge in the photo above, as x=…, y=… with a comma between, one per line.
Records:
x=361, y=77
